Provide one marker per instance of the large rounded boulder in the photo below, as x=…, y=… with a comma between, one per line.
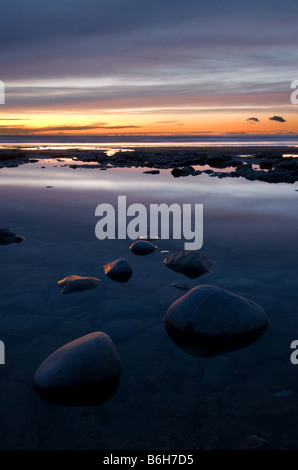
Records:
x=208, y=321
x=84, y=371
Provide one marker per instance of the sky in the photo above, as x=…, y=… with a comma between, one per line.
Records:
x=122, y=67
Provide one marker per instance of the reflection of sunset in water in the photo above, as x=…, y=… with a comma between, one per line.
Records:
x=250, y=232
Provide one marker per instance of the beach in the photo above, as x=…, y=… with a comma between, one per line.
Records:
x=165, y=398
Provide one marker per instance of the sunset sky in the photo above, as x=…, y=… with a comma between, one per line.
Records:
x=110, y=67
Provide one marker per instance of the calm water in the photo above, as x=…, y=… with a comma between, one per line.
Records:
x=250, y=231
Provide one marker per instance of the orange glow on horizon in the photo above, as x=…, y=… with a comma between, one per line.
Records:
x=220, y=118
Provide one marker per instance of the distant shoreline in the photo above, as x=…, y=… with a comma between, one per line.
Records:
x=43, y=150
x=134, y=141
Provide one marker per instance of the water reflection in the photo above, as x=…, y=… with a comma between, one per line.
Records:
x=250, y=230
x=84, y=395
x=205, y=348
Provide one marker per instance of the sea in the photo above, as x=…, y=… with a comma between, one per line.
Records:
x=98, y=142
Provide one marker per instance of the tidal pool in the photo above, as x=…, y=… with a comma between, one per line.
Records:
x=165, y=398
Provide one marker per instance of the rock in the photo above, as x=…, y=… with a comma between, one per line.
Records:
x=7, y=237
x=267, y=164
x=218, y=161
x=270, y=155
x=235, y=163
x=11, y=154
x=185, y=171
x=84, y=371
x=152, y=172
x=288, y=164
x=190, y=263
x=245, y=171
x=277, y=176
x=142, y=247
x=199, y=158
x=218, y=374
x=119, y=270
x=208, y=321
x=73, y=283
x=218, y=158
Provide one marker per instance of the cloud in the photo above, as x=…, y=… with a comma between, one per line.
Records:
x=198, y=49
x=119, y=36
x=21, y=130
x=253, y=120
x=277, y=118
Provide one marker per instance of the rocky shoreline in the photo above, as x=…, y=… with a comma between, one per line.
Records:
x=263, y=163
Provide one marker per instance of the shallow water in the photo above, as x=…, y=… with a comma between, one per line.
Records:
x=162, y=402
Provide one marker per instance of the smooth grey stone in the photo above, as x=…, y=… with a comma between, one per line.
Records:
x=74, y=283
x=87, y=368
x=142, y=247
x=208, y=321
x=119, y=270
x=190, y=263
